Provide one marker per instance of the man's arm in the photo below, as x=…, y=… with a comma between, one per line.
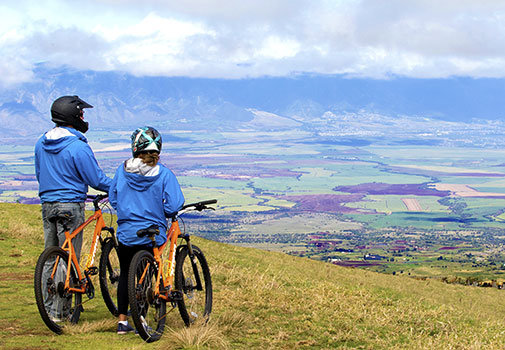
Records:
x=113, y=192
x=89, y=170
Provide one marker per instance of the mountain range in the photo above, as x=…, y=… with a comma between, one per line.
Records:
x=198, y=103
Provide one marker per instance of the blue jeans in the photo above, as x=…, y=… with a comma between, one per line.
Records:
x=54, y=235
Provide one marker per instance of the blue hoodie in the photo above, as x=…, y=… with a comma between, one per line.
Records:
x=65, y=165
x=141, y=201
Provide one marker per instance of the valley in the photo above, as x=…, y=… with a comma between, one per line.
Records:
x=385, y=204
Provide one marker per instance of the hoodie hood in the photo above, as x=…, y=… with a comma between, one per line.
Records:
x=138, y=175
x=137, y=166
x=59, y=138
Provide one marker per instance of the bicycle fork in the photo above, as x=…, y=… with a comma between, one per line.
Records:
x=194, y=263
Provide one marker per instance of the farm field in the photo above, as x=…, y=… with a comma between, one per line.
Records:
x=331, y=202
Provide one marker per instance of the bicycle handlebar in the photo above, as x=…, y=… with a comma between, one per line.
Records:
x=200, y=205
x=96, y=199
x=194, y=206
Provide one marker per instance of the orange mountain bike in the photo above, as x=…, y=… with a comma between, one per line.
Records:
x=59, y=280
x=183, y=280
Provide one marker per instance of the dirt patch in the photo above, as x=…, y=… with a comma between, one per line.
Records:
x=11, y=327
x=412, y=204
x=13, y=276
x=379, y=188
x=462, y=190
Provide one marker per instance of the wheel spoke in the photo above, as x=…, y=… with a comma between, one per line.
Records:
x=148, y=311
x=193, y=279
x=109, y=275
x=56, y=305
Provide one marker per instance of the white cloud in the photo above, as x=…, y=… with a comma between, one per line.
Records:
x=248, y=38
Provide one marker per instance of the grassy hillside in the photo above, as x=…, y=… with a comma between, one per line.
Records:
x=263, y=300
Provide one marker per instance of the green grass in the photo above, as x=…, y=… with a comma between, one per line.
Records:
x=262, y=300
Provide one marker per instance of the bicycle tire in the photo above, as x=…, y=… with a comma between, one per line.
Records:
x=148, y=313
x=196, y=304
x=108, y=272
x=49, y=292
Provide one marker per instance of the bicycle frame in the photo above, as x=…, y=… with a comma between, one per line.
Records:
x=69, y=247
x=165, y=280
x=181, y=277
x=168, y=278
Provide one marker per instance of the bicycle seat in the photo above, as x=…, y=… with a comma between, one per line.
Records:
x=63, y=217
x=149, y=232
x=56, y=215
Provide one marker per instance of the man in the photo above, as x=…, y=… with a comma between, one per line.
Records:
x=65, y=165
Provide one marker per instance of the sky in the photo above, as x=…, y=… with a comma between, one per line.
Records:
x=377, y=39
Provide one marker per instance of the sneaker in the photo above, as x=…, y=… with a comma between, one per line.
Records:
x=124, y=329
x=55, y=319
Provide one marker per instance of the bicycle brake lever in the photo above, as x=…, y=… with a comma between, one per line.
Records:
x=205, y=207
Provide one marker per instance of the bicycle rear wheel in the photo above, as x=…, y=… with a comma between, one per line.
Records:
x=109, y=275
x=192, y=278
x=57, y=307
x=148, y=312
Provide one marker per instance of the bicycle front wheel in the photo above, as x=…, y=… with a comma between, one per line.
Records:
x=57, y=307
x=109, y=275
x=148, y=311
x=192, y=278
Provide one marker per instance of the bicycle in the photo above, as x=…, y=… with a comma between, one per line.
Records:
x=183, y=279
x=60, y=282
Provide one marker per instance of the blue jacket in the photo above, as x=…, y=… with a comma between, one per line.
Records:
x=141, y=201
x=65, y=165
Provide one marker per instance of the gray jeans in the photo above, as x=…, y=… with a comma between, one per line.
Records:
x=54, y=235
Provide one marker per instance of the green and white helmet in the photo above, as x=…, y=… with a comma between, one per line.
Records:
x=146, y=139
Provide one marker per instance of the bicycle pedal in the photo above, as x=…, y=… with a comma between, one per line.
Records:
x=176, y=295
x=92, y=271
x=90, y=289
x=109, y=229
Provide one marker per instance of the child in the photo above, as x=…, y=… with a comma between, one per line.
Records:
x=143, y=193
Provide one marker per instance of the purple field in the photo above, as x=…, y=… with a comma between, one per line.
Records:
x=325, y=202
x=356, y=263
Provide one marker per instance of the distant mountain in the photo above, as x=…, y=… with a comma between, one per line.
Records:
x=125, y=100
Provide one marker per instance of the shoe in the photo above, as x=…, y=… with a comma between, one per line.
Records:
x=55, y=319
x=124, y=329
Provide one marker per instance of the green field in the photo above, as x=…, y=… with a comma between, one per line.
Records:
x=279, y=188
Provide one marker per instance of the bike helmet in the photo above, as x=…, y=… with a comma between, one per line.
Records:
x=146, y=139
x=68, y=110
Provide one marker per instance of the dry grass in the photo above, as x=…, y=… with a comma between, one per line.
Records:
x=265, y=300
x=197, y=337
x=87, y=327
x=17, y=228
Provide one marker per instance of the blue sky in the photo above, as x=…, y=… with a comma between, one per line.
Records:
x=253, y=38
